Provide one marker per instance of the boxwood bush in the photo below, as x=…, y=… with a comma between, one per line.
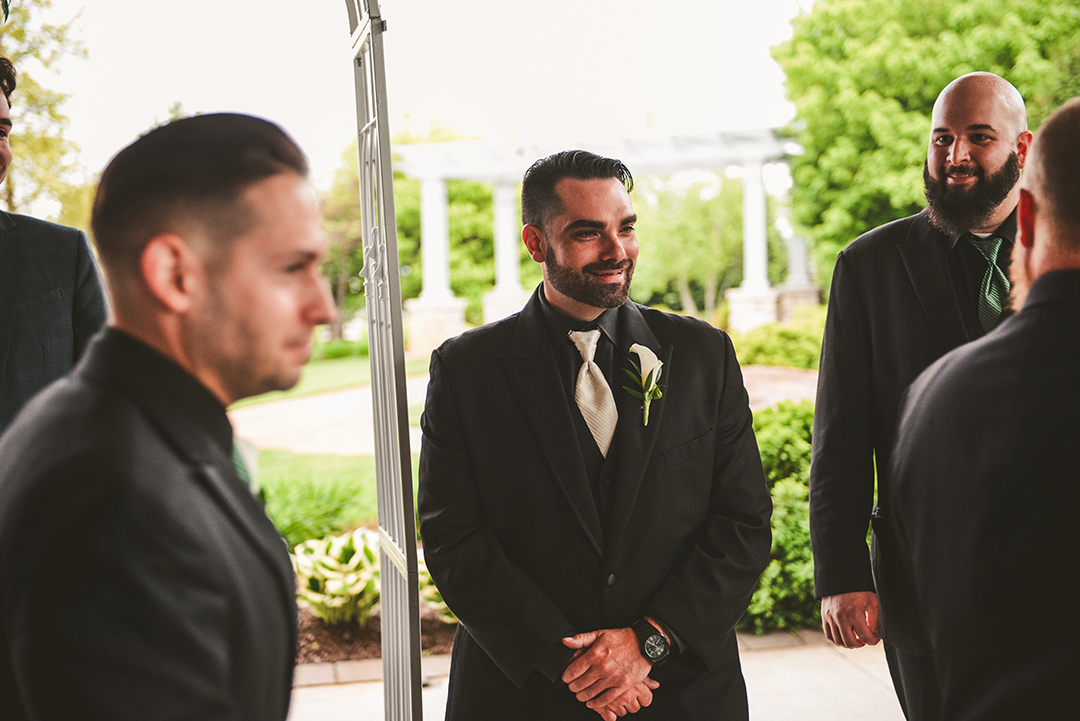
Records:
x=784, y=598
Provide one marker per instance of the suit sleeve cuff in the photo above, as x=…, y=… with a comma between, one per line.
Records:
x=554, y=660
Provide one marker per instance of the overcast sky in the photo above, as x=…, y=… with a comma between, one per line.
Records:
x=489, y=68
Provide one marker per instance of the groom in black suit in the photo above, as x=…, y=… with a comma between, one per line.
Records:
x=902, y=296
x=597, y=533
x=50, y=295
x=139, y=578
x=985, y=477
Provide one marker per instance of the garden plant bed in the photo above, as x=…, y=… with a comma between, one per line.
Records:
x=320, y=643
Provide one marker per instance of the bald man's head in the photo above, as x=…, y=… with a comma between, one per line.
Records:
x=999, y=95
x=1053, y=176
x=978, y=145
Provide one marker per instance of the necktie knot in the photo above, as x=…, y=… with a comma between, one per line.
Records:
x=988, y=247
x=585, y=341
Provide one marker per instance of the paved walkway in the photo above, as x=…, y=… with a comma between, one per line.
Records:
x=340, y=422
x=798, y=677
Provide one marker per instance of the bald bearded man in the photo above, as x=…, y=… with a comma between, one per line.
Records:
x=988, y=524
x=902, y=296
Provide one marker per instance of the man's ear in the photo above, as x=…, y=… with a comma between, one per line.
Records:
x=535, y=243
x=1025, y=219
x=1023, y=145
x=168, y=267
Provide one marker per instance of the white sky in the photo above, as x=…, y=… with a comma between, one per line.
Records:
x=489, y=68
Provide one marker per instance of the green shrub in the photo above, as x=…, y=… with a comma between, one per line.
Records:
x=784, y=598
x=783, y=435
x=311, y=497
x=328, y=350
x=338, y=576
x=430, y=594
x=796, y=343
x=340, y=581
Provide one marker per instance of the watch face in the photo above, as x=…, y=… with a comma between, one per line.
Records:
x=655, y=646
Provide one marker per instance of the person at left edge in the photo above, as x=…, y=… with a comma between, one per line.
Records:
x=50, y=296
x=139, y=578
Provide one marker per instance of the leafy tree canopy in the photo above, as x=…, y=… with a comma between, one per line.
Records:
x=44, y=158
x=864, y=74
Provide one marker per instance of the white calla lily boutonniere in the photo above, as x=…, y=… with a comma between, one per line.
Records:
x=645, y=375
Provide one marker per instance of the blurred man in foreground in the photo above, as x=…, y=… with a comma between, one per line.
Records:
x=985, y=470
x=139, y=578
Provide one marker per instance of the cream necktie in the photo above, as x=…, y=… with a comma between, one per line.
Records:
x=593, y=395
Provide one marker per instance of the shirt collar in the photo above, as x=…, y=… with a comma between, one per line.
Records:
x=1006, y=231
x=559, y=325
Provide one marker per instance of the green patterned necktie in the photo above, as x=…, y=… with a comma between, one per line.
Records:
x=995, y=286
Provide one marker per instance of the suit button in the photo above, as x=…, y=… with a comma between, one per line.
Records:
x=611, y=580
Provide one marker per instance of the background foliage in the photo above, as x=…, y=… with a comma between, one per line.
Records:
x=795, y=343
x=44, y=161
x=864, y=74
x=784, y=598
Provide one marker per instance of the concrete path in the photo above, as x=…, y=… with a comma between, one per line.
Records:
x=788, y=677
x=340, y=422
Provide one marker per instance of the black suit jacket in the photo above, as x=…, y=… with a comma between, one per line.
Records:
x=139, y=579
x=985, y=492
x=513, y=538
x=893, y=310
x=50, y=305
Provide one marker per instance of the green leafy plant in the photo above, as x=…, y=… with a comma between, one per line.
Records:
x=784, y=598
x=339, y=576
x=795, y=343
x=783, y=435
x=430, y=594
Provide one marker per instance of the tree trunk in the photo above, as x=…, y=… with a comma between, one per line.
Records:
x=688, y=305
x=710, y=295
x=341, y=286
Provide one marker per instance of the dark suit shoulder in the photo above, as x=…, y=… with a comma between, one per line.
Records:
x=672, y=326
x=486, y=340
x=883, y=239
x=36, y=227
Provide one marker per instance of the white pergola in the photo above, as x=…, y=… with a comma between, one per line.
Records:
x=437, y=314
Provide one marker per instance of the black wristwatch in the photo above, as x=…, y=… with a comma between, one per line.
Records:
x=654, y=647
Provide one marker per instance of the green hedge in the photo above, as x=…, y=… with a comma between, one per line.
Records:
x=784, y=598
x=796, y=343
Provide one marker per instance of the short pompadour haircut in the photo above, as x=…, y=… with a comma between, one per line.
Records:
x=190, y=172
x=539, y=201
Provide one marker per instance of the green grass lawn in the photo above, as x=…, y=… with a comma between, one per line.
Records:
x=315, y=496
x=330, y=375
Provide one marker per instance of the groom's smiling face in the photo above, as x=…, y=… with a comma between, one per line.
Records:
x=589, y=247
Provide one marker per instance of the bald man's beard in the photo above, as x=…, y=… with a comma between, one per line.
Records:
x=957, y=210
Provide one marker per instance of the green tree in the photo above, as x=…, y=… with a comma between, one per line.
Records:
x=691, y=240
x=44, y=158
x=864, y=74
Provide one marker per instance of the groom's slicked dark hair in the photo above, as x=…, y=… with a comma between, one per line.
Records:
x=190, y=173
x=539, y=201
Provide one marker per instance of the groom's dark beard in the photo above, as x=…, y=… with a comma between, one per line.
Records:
x=956, y=210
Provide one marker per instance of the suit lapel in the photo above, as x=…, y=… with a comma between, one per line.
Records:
x=535, y=378
x=10, y=263
x=925, y=257
x=634, y=441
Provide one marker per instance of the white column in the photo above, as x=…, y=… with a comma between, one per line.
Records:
x=507, y=264
x=753, y=303
x=435, y=239
x=508, y=297
x=755, y=240
x=436, y=315
x=798, y=267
